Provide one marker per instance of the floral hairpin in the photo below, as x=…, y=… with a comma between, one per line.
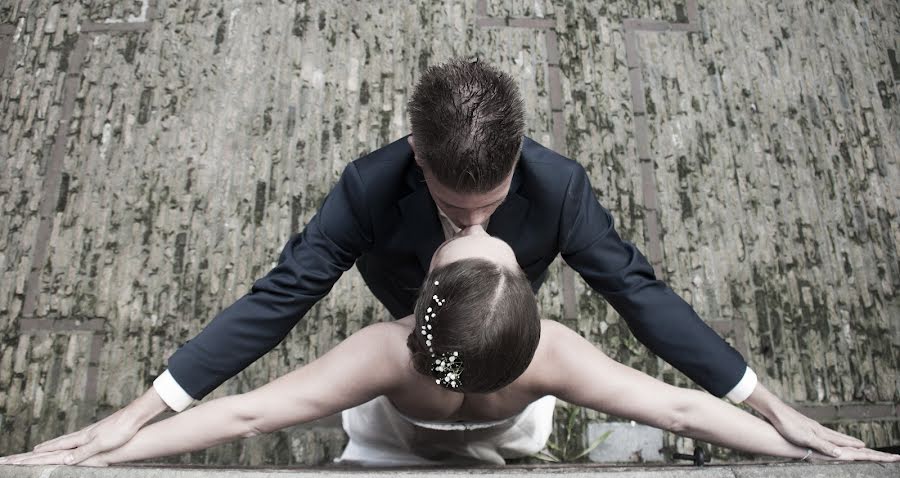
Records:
x=447, y=367
x=450, y=366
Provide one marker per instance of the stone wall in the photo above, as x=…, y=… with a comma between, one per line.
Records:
x=156, y=155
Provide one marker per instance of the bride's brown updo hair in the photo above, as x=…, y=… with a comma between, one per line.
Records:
x=489, y=315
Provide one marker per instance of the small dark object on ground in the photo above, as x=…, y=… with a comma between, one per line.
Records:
x=699, y=456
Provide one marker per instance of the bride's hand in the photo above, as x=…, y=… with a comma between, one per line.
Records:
x=56, y=457
x=856, y=454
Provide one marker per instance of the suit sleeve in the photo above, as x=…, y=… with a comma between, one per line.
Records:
x=309, y=265
x=658, y=317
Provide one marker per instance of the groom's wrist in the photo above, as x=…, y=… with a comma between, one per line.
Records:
x=144, y=408
x=764, y=402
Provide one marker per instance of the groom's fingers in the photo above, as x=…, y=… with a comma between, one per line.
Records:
x=73, y=457
x=45, y=445
x=72, y=440
x=57, y=443
x=824, y=447
x=841, y=439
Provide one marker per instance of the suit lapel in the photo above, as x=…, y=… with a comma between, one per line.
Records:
x=422, y=228
x=507, y=221
x=419, y=220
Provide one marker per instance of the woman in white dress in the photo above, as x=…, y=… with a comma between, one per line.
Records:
x=470, y=377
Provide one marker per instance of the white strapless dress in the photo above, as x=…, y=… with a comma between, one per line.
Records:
x=382, y=436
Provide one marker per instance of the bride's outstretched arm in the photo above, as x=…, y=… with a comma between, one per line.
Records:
x=576, y=371
x=355, y=371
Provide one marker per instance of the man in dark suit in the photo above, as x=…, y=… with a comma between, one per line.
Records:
x=467, y=162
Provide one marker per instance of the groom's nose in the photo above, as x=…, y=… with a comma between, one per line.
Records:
x=473, y=218
x=475, y=230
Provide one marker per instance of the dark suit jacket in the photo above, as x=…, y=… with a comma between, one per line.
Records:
x=380, y=216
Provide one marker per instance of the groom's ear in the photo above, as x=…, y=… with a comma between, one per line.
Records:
x=412, y=146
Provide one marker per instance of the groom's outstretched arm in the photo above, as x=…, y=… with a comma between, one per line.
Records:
x=665, y=323
x=658, y=317
x=309, y=265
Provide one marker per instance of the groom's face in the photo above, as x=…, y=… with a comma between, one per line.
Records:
x=464, y=209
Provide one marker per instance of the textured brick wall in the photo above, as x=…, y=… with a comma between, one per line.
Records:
x=154, y=157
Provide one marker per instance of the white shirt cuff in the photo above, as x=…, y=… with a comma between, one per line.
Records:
x=172, y=393
x=744, y=388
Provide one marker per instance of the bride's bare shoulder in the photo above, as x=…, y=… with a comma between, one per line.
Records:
x=390, y=327
x=555, y=337
x=553, y=331
x=398, y=329
x=387, y=337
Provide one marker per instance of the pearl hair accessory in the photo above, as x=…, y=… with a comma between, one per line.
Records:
x=447, y=367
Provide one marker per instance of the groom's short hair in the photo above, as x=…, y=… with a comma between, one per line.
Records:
x=467, y=120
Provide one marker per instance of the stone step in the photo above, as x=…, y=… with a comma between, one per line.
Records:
x=754, y=470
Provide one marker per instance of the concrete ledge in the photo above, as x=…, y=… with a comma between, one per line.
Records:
x=792, y=470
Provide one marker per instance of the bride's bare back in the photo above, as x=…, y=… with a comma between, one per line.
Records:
x=419, y=397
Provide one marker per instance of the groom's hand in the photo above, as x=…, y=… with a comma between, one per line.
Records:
x=806, y=432
x=798, y=428
x=105, y=435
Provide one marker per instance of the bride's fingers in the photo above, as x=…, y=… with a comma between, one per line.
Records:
x=23, y=458
x=866, y=454
x=9, y=459
x=47, y=458
x=882, y=456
